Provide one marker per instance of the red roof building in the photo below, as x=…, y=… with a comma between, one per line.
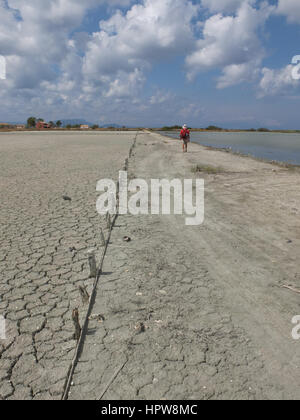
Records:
x=41, y=125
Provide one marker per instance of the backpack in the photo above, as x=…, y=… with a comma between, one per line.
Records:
x=185, y=133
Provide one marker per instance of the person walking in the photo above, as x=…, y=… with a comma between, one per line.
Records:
x=185, y=137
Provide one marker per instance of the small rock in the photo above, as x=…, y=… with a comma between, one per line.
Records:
x=99, y=317
x=140, y=328
x=66, y=198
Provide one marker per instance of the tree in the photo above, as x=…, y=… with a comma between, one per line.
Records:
x=173, y=127
x=214, y=128
x=58, y=123
x=51, y=123
x=95, y=127
x=263, y=130
x=31, y=122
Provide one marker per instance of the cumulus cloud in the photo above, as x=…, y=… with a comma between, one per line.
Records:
x=224, y=6
x=48, y=60
x=130, y=43
x=36, y=41
x=125, y=84
x=55, y=65
x=278, y=82
x=161, y=97
x=238, y=73
x=290, y=9
x=232, y=44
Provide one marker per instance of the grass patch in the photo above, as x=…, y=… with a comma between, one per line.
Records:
x=206, y=169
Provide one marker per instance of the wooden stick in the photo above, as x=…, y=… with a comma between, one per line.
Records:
x=85, y=297
x=75, y=317
x=292, y=289
x=103, y=242
x=108, y=221
x=92, y=262
x=112, y=380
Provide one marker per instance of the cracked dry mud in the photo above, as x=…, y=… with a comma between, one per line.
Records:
x=186, y=312
x=198, y=312
x=44, y=240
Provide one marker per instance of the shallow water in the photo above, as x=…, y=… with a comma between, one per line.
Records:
x=271, y=146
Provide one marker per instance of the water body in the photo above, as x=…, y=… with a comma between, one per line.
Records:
x=271, y=146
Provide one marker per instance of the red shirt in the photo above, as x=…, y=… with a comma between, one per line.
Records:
x=185, y=133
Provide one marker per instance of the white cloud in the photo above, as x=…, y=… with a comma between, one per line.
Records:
x=153, y=31
x=224, y=6
x=53, y=68
x=125, y=84
x=289, y=8
x=37, y=43
x=232, y=44
x=161, y=97
x=191, y=111
x=277, y=82
x=239, y=73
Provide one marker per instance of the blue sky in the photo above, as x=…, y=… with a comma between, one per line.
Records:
x=151, y=62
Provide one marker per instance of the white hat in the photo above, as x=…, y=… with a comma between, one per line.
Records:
x=185, y=126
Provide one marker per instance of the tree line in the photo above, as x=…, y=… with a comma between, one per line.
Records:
x=32, y=122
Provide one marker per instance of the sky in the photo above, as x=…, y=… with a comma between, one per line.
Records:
x=152, y=63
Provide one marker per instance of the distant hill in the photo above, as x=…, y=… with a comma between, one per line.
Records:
x=76, y=121
x=111, y=125
x=72, y=121
x=12, y=123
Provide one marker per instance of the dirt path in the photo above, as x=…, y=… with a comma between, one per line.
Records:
x=199, y=312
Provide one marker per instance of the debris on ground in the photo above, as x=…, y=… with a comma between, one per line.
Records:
x=291, y=288
x=84, y=294
x=98, y=317
x=75, y=318
x=140, y=327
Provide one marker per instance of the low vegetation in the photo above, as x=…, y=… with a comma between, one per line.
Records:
x=173, y=127
x=228, y=130
x=206, y=169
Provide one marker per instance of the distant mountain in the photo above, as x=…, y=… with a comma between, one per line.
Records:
x=12, y=123
x=111, y=125
x=72, y=121
x=78, y=121
x=75, y=121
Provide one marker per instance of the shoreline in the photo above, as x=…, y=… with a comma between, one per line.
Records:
x=200, y=130
x=281, y=164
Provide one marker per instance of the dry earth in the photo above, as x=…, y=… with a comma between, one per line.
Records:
x=200, y=312
x=186, y=312
x=44, y=240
